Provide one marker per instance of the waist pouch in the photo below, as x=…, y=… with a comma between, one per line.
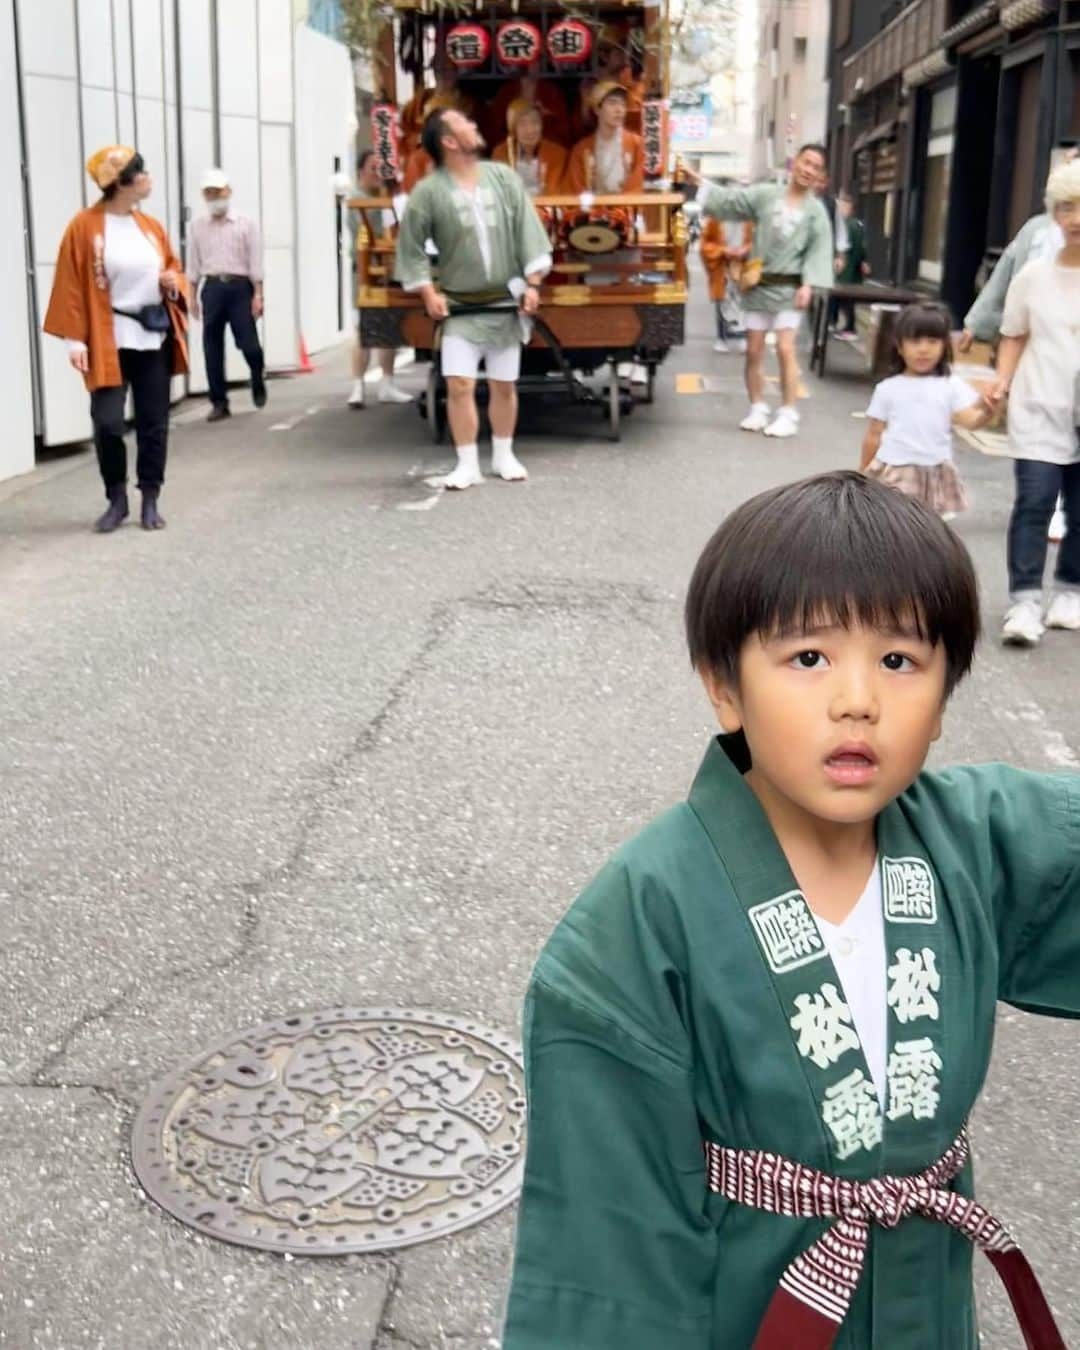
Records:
x=154, y=318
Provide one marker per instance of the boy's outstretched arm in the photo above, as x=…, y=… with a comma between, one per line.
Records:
x=614, y=1250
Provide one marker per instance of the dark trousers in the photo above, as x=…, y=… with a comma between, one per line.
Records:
x=229, y=302
x=148, y=375
x=1037, y=488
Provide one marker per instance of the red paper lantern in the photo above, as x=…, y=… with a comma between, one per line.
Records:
x=518, y=43
x=569, y=42
x=468, y=45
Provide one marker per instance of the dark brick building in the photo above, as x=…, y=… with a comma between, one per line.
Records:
x=943, y=117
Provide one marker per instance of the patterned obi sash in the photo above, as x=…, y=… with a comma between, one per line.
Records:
x=816, y=1290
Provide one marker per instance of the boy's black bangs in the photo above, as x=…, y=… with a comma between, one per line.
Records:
x=835, y=550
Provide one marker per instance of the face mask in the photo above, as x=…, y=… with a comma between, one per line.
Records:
x=219, y=206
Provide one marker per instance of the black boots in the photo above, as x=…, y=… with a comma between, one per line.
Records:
x=151, y=520
x=116, y=513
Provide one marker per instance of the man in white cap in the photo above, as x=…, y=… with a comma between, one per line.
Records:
x=225, y=254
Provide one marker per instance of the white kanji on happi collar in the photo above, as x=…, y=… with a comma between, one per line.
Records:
x=821, y=1019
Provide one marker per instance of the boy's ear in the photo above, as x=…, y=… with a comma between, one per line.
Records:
x=724, y=699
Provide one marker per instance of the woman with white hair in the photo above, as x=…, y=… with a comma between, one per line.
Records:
x=1039, y=368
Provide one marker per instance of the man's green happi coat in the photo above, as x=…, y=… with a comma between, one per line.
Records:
x=688, y=996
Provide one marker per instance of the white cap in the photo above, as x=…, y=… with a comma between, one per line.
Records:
x=215, y=178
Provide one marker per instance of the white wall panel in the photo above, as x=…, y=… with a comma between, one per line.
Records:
x=125, y=126
x=99, y=124
x=168, y=48
x=325, y=111
x=278, y=197
x=122, y=43
x=56, y=167
x=198, y=133
x=151, y=117
x=95, y=45
x=238, y=84
x=279, y=323
x=17, y=442
x=196, y=85
x=275, y=61
x=47, y=37
x=146, y=40
x=65, y=402
x=172, y=216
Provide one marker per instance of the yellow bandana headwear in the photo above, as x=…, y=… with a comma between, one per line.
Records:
x=107, y=164
x=604, y=90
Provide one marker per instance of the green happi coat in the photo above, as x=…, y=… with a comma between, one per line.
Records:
x=441, y=210
x=681, y=998
x=800, y=246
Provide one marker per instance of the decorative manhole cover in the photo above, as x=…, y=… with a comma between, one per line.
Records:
x=336, y=1131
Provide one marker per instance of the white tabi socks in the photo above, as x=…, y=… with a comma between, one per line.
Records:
x=504, y=463
x=467, y=473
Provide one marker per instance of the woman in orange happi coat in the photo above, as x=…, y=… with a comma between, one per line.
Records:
x=119, y=299
x=722, y=256
x=538, y=162
x=611, y=160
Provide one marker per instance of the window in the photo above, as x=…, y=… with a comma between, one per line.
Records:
x=937, y=180
x=786, y=86
x=800, y=49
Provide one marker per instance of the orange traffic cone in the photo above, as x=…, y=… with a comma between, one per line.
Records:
x=306, y=366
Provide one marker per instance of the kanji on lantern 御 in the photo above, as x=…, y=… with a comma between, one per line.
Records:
x=468, y=45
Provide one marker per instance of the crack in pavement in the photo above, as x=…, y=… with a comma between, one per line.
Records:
x=543, y=595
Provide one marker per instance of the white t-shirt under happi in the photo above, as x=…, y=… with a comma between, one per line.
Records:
x=918, y=411
x=857, y=948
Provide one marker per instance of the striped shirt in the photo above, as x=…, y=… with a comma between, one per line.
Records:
x=226, y=245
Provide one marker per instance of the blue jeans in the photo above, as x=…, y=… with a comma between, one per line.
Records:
x=1038, y=486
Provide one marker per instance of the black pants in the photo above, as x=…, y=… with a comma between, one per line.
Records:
x=1037, y=488
x=148, y=375
x=229, y=302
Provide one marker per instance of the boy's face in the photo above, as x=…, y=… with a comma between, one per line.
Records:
x=839, y=722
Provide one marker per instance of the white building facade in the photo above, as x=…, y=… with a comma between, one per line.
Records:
x=190, y=83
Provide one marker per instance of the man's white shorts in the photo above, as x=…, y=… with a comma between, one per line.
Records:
x=462, y=357
x=757, y=321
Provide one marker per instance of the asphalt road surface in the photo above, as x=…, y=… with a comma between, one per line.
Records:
x=335, y=737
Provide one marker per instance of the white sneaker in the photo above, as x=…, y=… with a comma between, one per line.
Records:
x=739, y=345
x=390, y=393
x=721, y=346
x=356, y=398
x=1056, y=532
x=757, y=419
x=1023, y=626
x=785, y=423
x=1064, y=611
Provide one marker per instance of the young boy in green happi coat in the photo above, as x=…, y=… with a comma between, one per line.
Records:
x=754, y=1041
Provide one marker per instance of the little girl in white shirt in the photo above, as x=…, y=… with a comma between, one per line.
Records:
x=908, y=441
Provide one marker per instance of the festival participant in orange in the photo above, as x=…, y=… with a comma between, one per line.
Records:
x=424, y=102
x=530, y=88
x=538, y=162
x=611, y=159
x=418, y=165
x=612, y=63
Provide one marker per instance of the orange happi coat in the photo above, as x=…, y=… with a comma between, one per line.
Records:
x=552, y=163
x=580, y=171
x=716, y=254
x=80, y=306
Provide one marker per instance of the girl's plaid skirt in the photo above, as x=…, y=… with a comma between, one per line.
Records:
x=939, y=487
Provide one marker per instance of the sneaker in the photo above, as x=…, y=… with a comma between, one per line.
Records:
x=757, y=419
x=785, y=423
x=1064, y=611
x=1056, y=532
x=390, y=393
x=356, y=398
x=721, y=346
x=739, y=345
x=258, y=393
x=1023, y=626
x=218, y=413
